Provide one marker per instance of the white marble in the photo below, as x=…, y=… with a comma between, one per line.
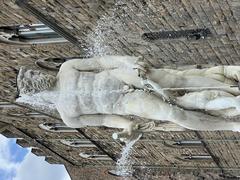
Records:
x=101, y=91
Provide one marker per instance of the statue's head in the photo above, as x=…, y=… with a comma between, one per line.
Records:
x=33, y=81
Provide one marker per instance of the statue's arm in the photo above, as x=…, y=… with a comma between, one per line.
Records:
x=95, y=120
x=230, y=72
x=100, y=63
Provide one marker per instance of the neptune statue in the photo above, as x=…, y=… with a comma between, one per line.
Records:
x=105, y=91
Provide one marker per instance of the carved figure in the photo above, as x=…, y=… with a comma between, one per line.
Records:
x=102, y=91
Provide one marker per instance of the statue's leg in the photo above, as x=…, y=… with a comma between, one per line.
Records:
x=166, y=79
x=226, y=74
x=200, y=99
x=175, y=80
x=213, y=101
x=149, y=106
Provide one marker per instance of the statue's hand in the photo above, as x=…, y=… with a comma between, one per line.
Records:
x=128, y=89
x=131, y=128
x=127, y=132
x=141, y=67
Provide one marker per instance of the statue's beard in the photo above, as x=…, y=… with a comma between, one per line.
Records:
x=31, y=86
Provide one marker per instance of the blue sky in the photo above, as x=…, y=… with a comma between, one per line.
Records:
x=17, y=163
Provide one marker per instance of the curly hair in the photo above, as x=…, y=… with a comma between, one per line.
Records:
x=30, y=86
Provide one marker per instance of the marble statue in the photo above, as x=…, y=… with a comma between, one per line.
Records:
x=103, y=91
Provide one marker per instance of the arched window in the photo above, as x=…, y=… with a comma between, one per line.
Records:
x=57, y=127
x=7, y=105
x=77, y=143
x=189, y=34
x=95, y=156
x=190, y=157
x=30, y=114
x=183, y=144
x=29, y=34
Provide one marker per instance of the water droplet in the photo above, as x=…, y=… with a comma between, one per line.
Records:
x=124, y=164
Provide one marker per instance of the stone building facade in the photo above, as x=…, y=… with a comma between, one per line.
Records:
x=96, y=27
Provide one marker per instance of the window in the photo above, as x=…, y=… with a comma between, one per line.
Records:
x=7, y=105
x=95, y=156
x=183, y=143
x=30, y=114
x=187, y=143
x=57, y=127
x=190, y=157
x=190, y=34
x=77, y=143
x=198, y=157
x=29, y=34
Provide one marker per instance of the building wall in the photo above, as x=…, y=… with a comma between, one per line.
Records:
x=128, y=21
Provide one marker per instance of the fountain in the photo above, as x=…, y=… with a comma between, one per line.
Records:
x=134, y=103
x=103, y=38
x=124, y=166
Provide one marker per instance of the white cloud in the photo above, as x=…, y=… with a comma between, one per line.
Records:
x=6, y=163
x=33, y=166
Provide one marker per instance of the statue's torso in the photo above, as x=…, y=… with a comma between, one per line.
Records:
x=89, y=93
x=92, y=93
